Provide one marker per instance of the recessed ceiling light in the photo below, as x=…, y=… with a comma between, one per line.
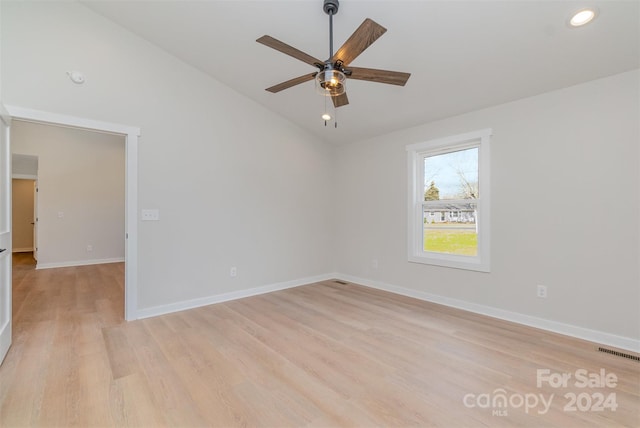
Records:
x=582, y=17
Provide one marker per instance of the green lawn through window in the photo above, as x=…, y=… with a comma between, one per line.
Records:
x=454, y=240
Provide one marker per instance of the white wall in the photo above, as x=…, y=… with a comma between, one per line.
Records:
x=565, y=208
x=235, y=184
x=81, y=175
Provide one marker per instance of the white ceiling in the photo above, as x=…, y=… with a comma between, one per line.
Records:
x=462, y=55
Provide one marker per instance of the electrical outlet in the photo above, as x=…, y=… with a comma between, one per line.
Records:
x=542, y=291
x=374, y=263
x=233, y=272
x=89, y=248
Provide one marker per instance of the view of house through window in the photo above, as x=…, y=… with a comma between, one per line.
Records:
x=450, y=220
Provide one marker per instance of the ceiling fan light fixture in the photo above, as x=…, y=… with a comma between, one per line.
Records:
x=331, y=82
x=331, y=75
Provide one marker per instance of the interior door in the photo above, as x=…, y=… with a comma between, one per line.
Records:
x=5, y=234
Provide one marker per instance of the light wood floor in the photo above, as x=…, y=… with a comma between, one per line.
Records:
x=325, y=355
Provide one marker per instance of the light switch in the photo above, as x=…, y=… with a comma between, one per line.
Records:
x=150, y=215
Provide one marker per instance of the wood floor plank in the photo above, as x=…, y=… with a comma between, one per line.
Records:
x=122, y=360
x=131, y=403
x=171, y=395
x=22, y=398
x=95, y=385
x=320, y=355
x=211, y=379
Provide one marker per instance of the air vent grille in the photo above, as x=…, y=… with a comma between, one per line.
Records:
x=619, y=354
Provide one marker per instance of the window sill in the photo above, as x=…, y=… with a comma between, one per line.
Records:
x=452, y=261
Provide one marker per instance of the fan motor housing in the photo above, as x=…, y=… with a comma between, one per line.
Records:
x=331, y=7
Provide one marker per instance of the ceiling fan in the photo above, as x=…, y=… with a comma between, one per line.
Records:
x=332, y=74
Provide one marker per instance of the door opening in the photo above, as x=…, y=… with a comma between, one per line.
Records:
x=130, y=135
x=24, y=184
x=23, y=215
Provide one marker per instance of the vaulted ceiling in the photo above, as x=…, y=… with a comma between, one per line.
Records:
x=462, y=55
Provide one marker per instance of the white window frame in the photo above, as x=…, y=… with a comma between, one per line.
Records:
x=415, y=157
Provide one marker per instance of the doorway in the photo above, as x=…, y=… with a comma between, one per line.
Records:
x=24, y=183
x=130, y=135
x=81, y=209
x=23, y=225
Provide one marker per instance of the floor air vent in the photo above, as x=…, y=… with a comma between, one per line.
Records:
x=340, y=282
x=619, y=354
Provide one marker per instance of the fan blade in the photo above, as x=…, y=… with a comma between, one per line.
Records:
x=380, y=76
x=340, y=100
x=289, y=50
x=364, y=36
x=293, y=82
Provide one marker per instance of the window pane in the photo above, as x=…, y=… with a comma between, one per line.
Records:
x=452, y=175
x=449, y=218
x=450, y=228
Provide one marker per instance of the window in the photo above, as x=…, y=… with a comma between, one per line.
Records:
x=449, y=201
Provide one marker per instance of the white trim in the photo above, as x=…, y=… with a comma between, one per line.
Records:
x=131, y=134
x=79, y=263
x=22, y=250
x=596, y=336
x=232, y=295
x=71, y=121
x=24, y=176
x=131, y=229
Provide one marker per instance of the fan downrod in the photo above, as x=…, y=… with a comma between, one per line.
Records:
x=330, y=7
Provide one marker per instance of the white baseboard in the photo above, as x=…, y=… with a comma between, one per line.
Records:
x=528, y=320
x=79, y=263
x=596, y=336
x=22, y=250
x=225, y=297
